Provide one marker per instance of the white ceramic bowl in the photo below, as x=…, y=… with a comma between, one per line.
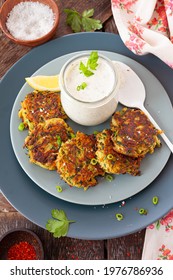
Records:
x=97, y=101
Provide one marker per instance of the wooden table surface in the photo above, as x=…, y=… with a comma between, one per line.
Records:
x=128, y=247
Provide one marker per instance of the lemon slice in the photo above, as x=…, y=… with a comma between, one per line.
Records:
x=44, y=83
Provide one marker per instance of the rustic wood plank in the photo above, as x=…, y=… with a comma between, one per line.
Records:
x=109, y=26
x=126, y=248
x=5, y=206
x=55, y=249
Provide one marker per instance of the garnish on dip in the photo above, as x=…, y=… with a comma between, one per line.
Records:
x=82, y=86
x=86, y=69
x=91, y=64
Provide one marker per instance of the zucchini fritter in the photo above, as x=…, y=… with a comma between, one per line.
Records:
x=43, y=143
x=77, y=163
x=110, y=160
x=40, y=106
x=133, y=133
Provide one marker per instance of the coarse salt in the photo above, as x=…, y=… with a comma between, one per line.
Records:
x=30, y=20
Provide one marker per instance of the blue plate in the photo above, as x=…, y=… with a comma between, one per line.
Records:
x=92, y=222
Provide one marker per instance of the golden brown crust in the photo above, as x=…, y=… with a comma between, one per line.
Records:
x=43, y=143
x=40, y=106
x=74, y=161
x=110, y=160
x=133, y=133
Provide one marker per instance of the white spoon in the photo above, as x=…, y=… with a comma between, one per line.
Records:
x=132, y=94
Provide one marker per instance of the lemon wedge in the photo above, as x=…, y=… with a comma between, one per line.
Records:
x=44, y=83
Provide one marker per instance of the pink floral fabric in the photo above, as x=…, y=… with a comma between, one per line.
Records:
x=158, y=244
x=146, y=26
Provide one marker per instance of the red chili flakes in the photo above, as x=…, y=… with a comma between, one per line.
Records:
x=21, y=251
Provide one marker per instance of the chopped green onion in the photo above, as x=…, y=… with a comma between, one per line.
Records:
x=142, y=211
x=155, y=200
x=95, y=132
x=109, y=177
x=59, y=141
x=21, y=126
x=119, y=216
x=59, y=188
x=115, y=133
x=82, y=86
x=93, y=161
x=72, y=135
x=110, y=156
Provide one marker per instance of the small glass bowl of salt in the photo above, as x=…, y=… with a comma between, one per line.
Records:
x=29, y=23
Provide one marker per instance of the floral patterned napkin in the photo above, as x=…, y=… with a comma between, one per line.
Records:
x=158, y=244
x=146, y=26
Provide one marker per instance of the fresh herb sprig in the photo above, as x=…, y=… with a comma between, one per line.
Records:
x=85, y=70
x=82, y=22
x=59, y=225
x=92, y=60
x=91, y=64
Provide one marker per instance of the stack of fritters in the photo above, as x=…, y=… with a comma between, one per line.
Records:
x=133, y=133
x=131, y=137
x=40, y=106
x=43, y=115
x=51, y=143
x=44, y=142
x=110, y=160
x=76, y=161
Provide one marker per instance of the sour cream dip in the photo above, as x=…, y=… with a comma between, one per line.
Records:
x=89, y=98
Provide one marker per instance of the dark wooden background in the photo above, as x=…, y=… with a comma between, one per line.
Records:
x=128, y=247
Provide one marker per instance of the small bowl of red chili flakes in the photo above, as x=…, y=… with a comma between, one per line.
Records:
x=21, y=244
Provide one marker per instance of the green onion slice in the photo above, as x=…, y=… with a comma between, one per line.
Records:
x=59, y=141
x=110, y=156
x=109, y=177
x=93, y=161
x=59, y=188
x=21, y=126
x=142, y=211
x=119, y=216
x=155, y=200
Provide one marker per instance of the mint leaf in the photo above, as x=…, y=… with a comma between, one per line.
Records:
x=59, y=225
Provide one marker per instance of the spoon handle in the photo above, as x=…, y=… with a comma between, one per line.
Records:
x=165, y=138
